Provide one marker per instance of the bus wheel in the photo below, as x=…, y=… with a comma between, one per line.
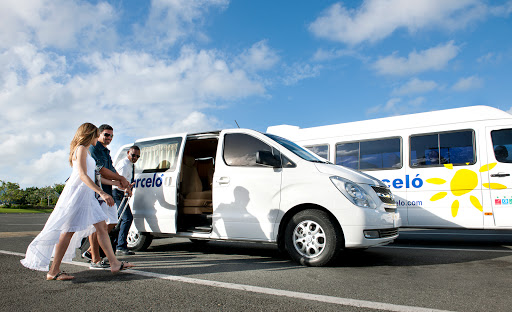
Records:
x=138, y=241
x=312, y=239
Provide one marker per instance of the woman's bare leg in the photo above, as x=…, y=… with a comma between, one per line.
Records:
x=95, y=248
x=60, y=250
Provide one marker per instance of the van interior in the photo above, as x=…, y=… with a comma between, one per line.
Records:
x=195, y=206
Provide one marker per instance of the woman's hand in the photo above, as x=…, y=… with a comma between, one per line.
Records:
x=107, y=198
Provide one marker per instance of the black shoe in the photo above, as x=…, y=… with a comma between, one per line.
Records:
x=124, y=252
x=87, y=255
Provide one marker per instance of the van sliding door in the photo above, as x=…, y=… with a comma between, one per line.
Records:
x=154, y=200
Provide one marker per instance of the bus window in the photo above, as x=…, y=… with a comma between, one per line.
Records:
x=320, y=150
x=502, y=144
x=347, y=155
x=368, y=155
x=380, y=154
x=442, y=148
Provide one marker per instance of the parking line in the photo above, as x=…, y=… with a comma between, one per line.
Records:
x=269, y=291
x=448, y=249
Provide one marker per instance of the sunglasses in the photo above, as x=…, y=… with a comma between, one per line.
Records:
x=135, y=155
x=107, y=135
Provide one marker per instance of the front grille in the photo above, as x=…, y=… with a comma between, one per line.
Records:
x=388, y=232
x=384, y=194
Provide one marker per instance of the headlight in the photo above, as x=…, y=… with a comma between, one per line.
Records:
x=353, y=192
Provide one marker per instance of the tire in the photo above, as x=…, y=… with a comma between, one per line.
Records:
x=199, y=241
x=138, y=241
x=312, y=238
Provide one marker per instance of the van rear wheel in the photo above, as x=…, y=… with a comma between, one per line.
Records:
x=138, y=241
x=312, y=239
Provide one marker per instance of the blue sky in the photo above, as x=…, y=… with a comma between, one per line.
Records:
x=155, y=67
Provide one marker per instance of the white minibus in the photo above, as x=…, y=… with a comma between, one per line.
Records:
x=245, y=185
x=447, y=169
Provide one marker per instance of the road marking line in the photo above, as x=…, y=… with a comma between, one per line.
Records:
x=19, y=234
x=449, y=249
x=269, y=291
x=455, y=234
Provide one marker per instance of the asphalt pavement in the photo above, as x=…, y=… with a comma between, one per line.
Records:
x=424, y=270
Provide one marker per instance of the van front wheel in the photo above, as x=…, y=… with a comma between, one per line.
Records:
x=138, y=241
x=312, y=239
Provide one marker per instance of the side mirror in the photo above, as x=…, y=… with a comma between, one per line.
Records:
x=266, y=158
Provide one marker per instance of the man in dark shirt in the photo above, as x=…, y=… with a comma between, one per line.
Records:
x=104, y=165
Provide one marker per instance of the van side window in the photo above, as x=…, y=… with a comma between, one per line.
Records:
x=158, y=156
x=368, y=155
x=437, y=149
x=502, y=145
x=320, y=150
x=240, y=149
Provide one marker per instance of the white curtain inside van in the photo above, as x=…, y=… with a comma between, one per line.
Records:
x=161, y=157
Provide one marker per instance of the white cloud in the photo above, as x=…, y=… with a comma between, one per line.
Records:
x=502, y=10
x=55, y=23
x=298, y=72
x=386, y=108
x=435, y=58
x=259, y=57
x=415, y=85
x=396, y=106
x=490, y=58
x=468, y=83
x=47, y=168
x=375, y=20
x=139, y=94
x=327, y=55
x=172, y=20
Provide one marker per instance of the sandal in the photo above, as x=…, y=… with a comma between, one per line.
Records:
x=61, y=276
x=123, y=267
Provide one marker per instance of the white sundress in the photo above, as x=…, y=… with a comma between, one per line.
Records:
x=76, y=211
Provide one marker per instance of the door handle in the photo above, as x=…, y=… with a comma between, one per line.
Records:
x=223, y=180
x=500, y=175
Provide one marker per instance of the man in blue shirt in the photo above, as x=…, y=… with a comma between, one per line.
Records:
x=104, y=165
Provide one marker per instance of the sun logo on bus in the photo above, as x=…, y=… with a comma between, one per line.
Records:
x=463, y=182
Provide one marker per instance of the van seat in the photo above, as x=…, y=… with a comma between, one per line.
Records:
x=193, y=199
x=205, y=170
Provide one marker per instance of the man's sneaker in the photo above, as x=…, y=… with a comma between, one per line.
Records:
x=87, y=255
x=101, y=265
x=124, y=252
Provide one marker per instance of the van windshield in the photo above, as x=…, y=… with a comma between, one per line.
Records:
x=296, y=149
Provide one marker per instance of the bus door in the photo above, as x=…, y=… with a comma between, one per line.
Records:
x=498, y=180
x=154, y=200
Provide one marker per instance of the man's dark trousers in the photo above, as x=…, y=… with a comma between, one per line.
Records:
x=126, y=219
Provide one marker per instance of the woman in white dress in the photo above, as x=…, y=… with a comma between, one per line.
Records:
x=77, y=214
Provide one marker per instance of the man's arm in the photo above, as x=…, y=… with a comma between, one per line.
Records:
x=109, y=174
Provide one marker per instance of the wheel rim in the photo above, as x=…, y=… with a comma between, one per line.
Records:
x=133, y=238
x=309, y=239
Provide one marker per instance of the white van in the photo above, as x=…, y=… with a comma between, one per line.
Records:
x=245, y=185
x=447, y=169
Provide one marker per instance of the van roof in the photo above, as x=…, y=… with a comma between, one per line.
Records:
x=440, y=117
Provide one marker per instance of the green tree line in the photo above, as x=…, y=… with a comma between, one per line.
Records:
x=12, y=195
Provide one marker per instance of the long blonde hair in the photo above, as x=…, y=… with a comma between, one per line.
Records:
x=83, y=136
